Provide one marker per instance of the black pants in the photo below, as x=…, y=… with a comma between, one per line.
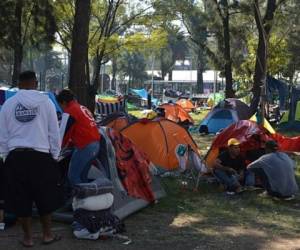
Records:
x=31, y=177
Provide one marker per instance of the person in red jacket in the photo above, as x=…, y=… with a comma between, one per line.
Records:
x=82, y=133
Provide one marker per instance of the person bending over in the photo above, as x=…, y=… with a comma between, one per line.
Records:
x=230, y=168
x=83, y=134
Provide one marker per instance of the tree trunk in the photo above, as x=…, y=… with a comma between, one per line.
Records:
x=229, y=93
x=264, y=28
x=114, y=73
x=18, y=46
x=170, y=74
x=200, y=69
x=78, y=74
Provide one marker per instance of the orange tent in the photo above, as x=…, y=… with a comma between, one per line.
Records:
x=159, y=139
x=116, y=121
x=187, y=105
x=176, y=113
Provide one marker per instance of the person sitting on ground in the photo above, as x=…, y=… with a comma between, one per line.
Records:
x=230, y=168
x=82, y=133
x=276, y=171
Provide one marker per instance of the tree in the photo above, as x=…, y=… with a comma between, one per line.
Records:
x=78, y=81
x=25, y=22
x=264, y=27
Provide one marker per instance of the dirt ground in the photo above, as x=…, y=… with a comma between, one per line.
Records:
x=161, y=228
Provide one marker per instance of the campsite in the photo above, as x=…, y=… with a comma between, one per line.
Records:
x=205, y=219
x=150, y=124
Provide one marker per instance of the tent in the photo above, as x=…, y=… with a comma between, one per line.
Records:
x=117, y=121
x=224, y=114
x=159, y=139
x=7, y=93
x=187, y=105
x=176, y=113
x=129, y=170
x=291, y=118
x=244, y=131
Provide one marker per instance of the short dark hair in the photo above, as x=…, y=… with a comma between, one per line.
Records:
x=272, y=145
x=65, y=95
x=27, y=76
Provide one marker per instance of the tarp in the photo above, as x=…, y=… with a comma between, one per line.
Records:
x=279, y=86
x=215, y=98
x=159, y=139
x=142, y=93
x=291, y=119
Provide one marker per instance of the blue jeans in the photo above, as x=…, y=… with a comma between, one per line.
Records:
x=231, y=181
x=81, y=163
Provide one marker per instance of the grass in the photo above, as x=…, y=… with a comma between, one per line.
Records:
x=209, y=214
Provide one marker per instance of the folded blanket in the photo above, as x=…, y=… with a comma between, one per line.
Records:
x=97, y=187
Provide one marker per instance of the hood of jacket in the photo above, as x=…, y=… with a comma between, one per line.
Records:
x=31, y=98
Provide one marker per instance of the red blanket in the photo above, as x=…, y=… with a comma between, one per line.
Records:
x=133, y=167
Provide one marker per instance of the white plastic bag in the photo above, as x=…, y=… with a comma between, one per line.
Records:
x=94, y=203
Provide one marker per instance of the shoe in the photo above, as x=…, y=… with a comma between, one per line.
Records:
x=264, y=194
x=292, y=197
x=230, y=193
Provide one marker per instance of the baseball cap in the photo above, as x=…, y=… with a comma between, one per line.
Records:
x=233, y=142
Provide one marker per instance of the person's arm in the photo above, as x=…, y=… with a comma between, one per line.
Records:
x=4, y=135
x=53, y=131
x=218, y=164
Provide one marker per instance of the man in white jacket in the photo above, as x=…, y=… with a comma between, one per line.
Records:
x=30, y=141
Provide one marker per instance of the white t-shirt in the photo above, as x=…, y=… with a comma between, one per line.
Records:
x=29, y=120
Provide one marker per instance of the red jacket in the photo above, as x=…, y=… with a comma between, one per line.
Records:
x=84, y=129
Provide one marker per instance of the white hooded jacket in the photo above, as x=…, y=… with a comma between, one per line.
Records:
x=29, y=120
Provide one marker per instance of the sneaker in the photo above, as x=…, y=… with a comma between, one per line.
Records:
x=292, y=197
x=230, y=193
x=264, y=194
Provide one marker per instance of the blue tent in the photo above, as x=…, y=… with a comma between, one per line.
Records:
x=224, y=114
x=142, y=93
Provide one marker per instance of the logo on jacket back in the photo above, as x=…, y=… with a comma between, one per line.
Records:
x=24, y=114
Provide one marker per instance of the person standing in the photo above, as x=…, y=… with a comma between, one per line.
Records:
x=30, y=143
x=149, y=99
x=82, y=133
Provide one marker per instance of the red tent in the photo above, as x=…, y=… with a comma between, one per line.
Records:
x=244, y=131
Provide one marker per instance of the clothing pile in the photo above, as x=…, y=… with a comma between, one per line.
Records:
x=93, y=216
